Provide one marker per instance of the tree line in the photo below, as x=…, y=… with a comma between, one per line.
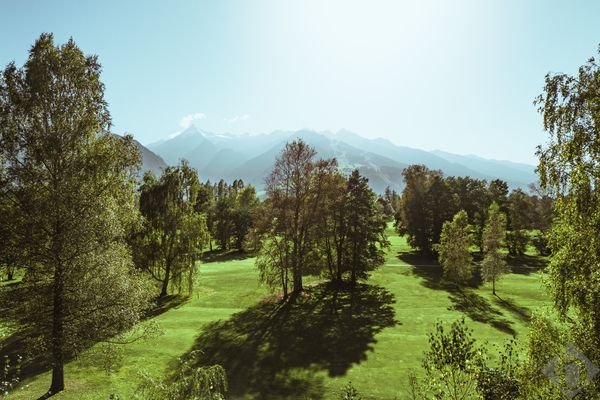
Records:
x=429, y=199
x=92, y=246
x=96, y=247
x=560, y=357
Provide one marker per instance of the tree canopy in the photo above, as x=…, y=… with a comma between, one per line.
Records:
x=72, y=184
x=173, y=234
x=569, y=167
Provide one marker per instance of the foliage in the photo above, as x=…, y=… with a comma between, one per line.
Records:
x=545, y=340
x=471, y=195
x=333, y=229
x=429, y=200
x=294, y=198
x=204, y=383
x=540, y=242
x=9, y=376
x=494, y=264
x=274, y=264
x=424, y=207
x=11, y=254
x=349, y=392
x=451, y=363
x=516, y=242
x=569, y=167
x=366, y=225
x=453, y=249
x=501, y=382
x=173, y=233
x=347, y=230
x=73, y=184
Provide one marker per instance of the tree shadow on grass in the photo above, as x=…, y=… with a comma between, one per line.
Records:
x=23, y=340
x=227, y=255
x=280, y=350
x=479, y=309
x=430, y=271
x=20, y=342
x=426, y=267
x=526, y=264
x=464, y=300
x=518, y=311
x=166, y=303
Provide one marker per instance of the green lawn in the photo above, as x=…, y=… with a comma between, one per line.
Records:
x=311, y=348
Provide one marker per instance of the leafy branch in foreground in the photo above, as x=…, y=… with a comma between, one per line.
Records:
x=197, y=383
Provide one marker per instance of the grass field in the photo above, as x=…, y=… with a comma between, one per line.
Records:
x=311, y=348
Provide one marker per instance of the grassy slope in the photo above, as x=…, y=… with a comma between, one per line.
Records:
x=228, y=287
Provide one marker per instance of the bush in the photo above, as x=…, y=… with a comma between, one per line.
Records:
x=517, y=241
x=349, y=392
x=540, y=242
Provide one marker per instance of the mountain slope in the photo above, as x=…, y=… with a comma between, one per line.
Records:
x=251, y=157
x=512, y=172
x=150, y=161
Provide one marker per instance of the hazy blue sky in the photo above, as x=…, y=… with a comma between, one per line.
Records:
x=452, y=75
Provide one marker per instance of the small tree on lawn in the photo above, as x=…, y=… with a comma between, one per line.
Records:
x=453, y=249
x=451, y=363
x=494, y=263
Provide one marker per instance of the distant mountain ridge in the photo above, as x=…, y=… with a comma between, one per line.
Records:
x=150, y=161
x=251, y=157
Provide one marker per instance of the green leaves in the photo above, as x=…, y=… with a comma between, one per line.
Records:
x=494, y=234
x=453, y=250
x=173, y=234
x=569, y=167
x=451, y=363
x=72, y=185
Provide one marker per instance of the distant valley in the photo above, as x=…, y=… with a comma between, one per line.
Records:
x=251, y=157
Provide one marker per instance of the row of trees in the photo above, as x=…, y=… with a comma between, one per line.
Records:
x=181, y=216
x=429, y=199
x=562, y=352
x=454, y=248
x=229, y=210
x=317, y=221
x=74, y=219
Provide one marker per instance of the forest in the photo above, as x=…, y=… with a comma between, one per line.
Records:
x=119, y=283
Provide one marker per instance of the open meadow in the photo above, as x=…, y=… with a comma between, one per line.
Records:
x=373, y=337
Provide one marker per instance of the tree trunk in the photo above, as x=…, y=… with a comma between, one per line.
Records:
x=494, y=286
x=58, y=339
x=354, y=263
x=284, y=285
x=339, y=265
x=165, y=284
x=297, y=280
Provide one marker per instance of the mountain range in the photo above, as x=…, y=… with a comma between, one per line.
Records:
x=251, y=157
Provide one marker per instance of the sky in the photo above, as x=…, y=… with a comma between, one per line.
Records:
x=458, y=76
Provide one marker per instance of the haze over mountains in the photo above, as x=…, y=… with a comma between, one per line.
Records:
x=251, y=157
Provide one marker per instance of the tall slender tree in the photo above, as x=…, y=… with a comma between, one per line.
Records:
x=73, y=186
x=494, y=263
x=366, y=225
x=569, y=168
x=333, y=226
x=294, y=197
